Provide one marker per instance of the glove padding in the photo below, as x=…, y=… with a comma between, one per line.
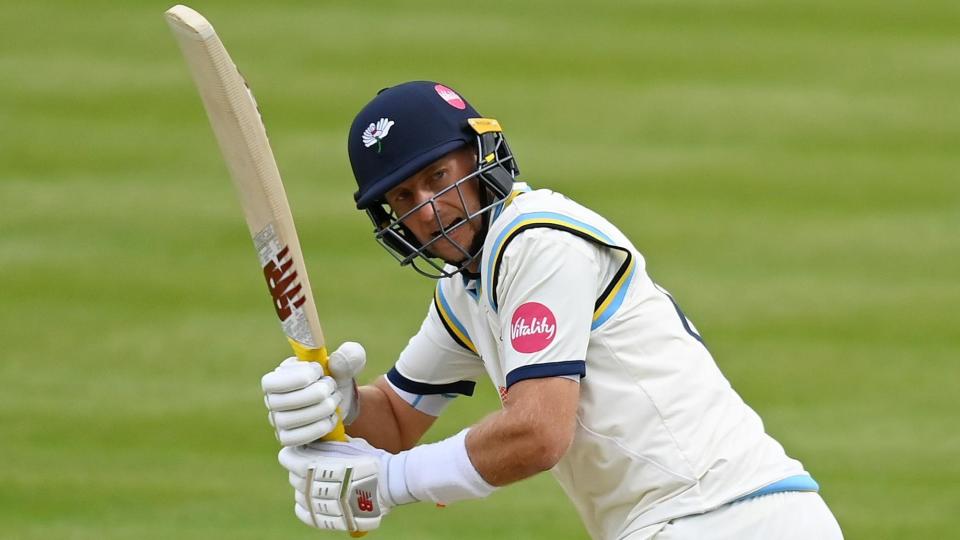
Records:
x=340, y=485
x=302, y=402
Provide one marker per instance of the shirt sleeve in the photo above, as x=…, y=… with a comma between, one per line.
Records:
x=548, y=286
x=433, y=363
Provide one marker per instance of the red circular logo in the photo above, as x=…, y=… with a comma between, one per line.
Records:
x=450, y=97
x=532, y=327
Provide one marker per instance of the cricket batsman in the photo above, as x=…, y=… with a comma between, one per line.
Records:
x=603, y=380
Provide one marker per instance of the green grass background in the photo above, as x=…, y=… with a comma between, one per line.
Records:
x=790, y=170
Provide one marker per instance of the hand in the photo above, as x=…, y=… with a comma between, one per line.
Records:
x=343, y=486
x=302, y=402
x=345, y=364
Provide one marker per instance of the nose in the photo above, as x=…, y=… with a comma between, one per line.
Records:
x=426, y=211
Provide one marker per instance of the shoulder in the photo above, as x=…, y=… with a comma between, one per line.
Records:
x=529, y=202
x=543, y=230
x=541, y=234
x=547, y=209
x=451, y=285
x=532, y=216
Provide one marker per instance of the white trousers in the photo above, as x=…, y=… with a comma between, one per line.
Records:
x=791, y=515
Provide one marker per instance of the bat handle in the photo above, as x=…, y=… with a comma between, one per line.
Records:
x=319, y=355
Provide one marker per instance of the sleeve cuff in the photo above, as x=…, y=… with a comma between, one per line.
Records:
x=414, y=387
x=551, y=369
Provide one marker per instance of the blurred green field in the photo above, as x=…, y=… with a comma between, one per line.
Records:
x=790, y=170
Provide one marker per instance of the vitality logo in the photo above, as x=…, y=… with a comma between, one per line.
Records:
x=532, y=327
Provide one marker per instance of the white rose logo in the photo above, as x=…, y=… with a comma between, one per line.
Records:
x=376, y=133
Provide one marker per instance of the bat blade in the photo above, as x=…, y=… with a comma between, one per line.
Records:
x=242, y=137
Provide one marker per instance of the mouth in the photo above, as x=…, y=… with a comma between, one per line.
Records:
x=448, y=228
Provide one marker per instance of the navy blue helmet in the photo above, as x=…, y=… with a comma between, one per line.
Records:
x=406, y=128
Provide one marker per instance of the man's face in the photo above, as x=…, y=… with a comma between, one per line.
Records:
x=447, y=211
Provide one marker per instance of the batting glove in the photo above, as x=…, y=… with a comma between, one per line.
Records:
x=302, y=400
x=344, y=485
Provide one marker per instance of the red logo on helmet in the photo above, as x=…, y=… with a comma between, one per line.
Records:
x=450, y=97
x=532, y=327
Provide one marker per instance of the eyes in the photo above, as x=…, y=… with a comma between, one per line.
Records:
x=395, y=197
x=433, y=181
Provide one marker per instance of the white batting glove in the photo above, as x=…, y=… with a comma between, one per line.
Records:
x=302, y=401
x=344, y=485
x=345, y=364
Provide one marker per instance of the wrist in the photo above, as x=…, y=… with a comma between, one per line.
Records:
x=440, y=472
x=351, y=397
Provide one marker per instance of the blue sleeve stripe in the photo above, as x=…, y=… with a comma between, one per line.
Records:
x=525, y=221
x=551, y=369
x=612, y=299
x=460, y=387
x=800, y=482
x=453, y=325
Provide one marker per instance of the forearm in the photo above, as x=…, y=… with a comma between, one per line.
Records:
x=503, y=450
x=528, y=436
x=376, y=421
x=385, y=421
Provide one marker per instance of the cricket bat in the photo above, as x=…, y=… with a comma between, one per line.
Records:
x=240, y=132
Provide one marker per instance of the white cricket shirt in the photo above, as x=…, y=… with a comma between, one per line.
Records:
x=660, y=432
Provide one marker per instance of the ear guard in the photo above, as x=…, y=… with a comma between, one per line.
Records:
x=493, y=150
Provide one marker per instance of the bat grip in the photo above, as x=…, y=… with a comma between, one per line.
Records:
x=319, y=355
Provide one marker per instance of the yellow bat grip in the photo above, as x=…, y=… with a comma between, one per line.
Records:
x=308, y=354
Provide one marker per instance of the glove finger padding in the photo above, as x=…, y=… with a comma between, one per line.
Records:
x=327, y=508
x=311, y=432
x=313, y=393
x=318, y=490
x=335, y=524
x=302, y=403
x=290, y=376
x=312, y=413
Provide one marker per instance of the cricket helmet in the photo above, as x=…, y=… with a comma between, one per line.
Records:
x=404, y=129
